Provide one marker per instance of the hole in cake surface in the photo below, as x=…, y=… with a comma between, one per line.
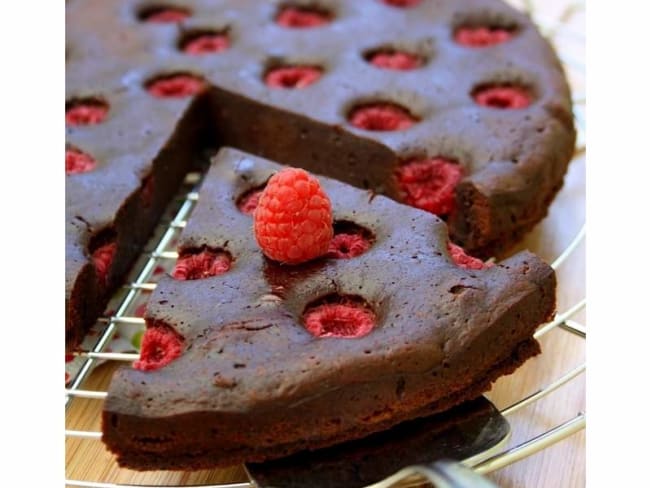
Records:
x=464, y=260
x=162, y=14
x=196, y=264
x=302, y=17
x=401, y=3
x=247, y=203
x=85, y=111
x=160, y=346
x=482, y=35
x=350, y=240
x=430, y=184
x=394, y=59
x=342, y=316
x=289, y=77
x=77, y=161
x=176, y=85
x=502, y=96
x=381, y=116
x=197, y=43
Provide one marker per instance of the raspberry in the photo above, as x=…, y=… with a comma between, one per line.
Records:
x=429, y=184
x=201, y=264
x=77, y=161
x=396, y=60
x=402, y=3
x=481, y=36
x=298, y=18
x=293, y=220
x=502, y=97
x=346, y=319
x=166, y=15
x=464, y=260
x=175, y=86
x=206, y=43
x=381, y=117
x=86, y=112
x=292, y=76
x=160, y=346
x=350, y=241
x=248, y=203
x=102, y=259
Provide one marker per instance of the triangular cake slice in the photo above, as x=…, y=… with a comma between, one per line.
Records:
x=245, y=359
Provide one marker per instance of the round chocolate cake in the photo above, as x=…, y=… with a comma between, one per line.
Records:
x=459, y=108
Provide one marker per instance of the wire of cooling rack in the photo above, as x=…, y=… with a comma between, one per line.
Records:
x=409, y=476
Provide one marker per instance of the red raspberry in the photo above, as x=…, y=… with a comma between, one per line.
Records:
x=86, y=112
x=77, y=161
x=166, y=15
x=502, y=97
x=103, y=259
x=293, y=220
x=402, y=3
x=301, y=17
x=481, y=36
x=160, y=346
x=381, y=116
x=201, y=264
x=175, y=86
x=292, y=76
x=248, y=203
x=397, y=60
x=430, y=184
x=206, y=43
x=346, y=319
x=464, y=260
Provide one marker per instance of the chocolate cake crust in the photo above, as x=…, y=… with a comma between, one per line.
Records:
x=252, y=383
x=514, y=160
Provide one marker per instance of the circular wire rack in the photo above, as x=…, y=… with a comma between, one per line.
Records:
x=84, y=401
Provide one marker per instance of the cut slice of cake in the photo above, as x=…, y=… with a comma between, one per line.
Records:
x=245, y=359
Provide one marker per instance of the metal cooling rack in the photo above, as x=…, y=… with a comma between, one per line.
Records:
x=408, y=477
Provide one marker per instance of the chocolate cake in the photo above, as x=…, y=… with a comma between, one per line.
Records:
x=245, y=359
x=457, y=107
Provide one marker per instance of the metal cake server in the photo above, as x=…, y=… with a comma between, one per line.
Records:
x=428, y=449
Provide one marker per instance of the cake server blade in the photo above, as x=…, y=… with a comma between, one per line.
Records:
x=432, y=447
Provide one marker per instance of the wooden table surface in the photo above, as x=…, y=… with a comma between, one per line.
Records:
x=562, y=465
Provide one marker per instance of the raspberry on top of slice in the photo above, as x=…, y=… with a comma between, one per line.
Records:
x=293, y=220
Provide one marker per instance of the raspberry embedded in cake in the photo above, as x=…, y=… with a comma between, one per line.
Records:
x=430, y=184
x=293, y=219
x=199, y=43
x=350, y=240
x=482, y=36
x=248, y=202
x=502, y=96
x=103, y=259
x=178, y=85
x=464, y=260
x=401, y=3
x=165, y=15
x=295, y=17
x=77, y=161
x=197, y=264
x=346, y=317
x=289, y=77
x=160, y=346
x=394, y=60
x=381, y=116
x=85, y=111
